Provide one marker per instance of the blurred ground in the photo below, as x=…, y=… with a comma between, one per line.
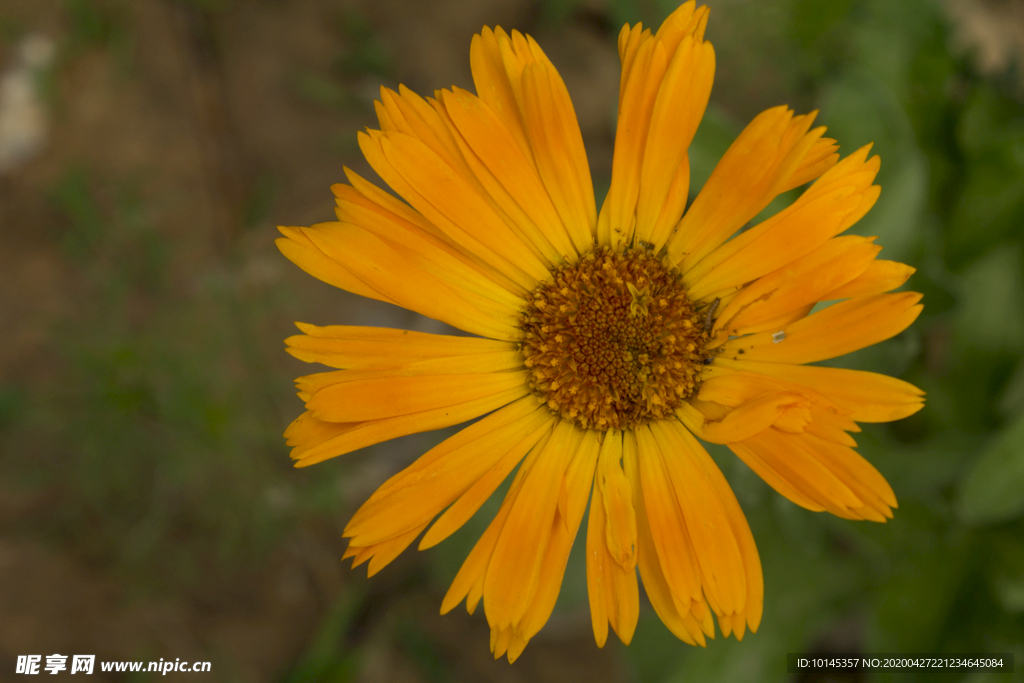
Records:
x=147, y=504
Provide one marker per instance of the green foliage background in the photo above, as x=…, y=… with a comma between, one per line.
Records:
x=159, y=443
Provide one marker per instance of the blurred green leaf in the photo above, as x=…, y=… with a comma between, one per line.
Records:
x=99, y=23
x=760, y=658
x=990, y=205
x=714, y=135
x=922, y=472
x=12, y=403
x=897, y=216
x=860, y=110
x=990, y=121
x=91, y=21
x=989, y=676
x=1012, y=400
x=811, y=22
x=211, y=6
x=555, y=13
x=991, y=311
x=321, y=91
x=259, y=199
x=994, y=489
x=328, y=659
x=422, y=651
x=654, y=650
x=929, y=559
x=365, y=53
x=632, y=11
x=984, y=341
x=11, y=30
x=72, y=196
x=1007, y=572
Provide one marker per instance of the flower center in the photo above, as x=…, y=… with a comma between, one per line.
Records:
x=613, y=341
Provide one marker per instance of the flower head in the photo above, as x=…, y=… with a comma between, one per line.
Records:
x=605, y=343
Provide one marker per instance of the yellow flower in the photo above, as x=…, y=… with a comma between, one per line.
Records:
x=606, y=343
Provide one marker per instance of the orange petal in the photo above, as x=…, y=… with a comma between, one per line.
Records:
x=577, y=481
x=424, y=249
x=833, y=476
x=381, y=394
x=669, y=532
x=611, y=583
x=753, y=416
x=672, y=206
x=687, y=625
x=806, y=280
x=880, y=276
x=831, y=426
x=509, y=176
x=839, y=329
x=414, y=496
x=398, y=212
x=773, y=324
x=732, y=388
x=350, y=346
x=475, y=221
x=874, y=509
x=717, y=549
x=497, y=70
x=789, y=406
x=822, y=156
x=753, y=606
x=476, y=495
x=407, y=113
x=301, y=251
x=378, y=265
x=306, y=432
x=664, y=88
x=631, y=38
x=558, y=149
x=863, y=396
x=519, y=83
x=617, y=503
x=514, y=571
x=860, y=475
x=469, y=582
x=421, y=177
x=792, y=459
x=837, y=200
x=678, y=108
x=380, y=554
x=618, y=217
x=780, y=481
x=753, y=171
x=394, y=209
x=314, y=441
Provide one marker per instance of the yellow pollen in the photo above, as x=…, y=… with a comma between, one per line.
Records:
x=613, y=341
